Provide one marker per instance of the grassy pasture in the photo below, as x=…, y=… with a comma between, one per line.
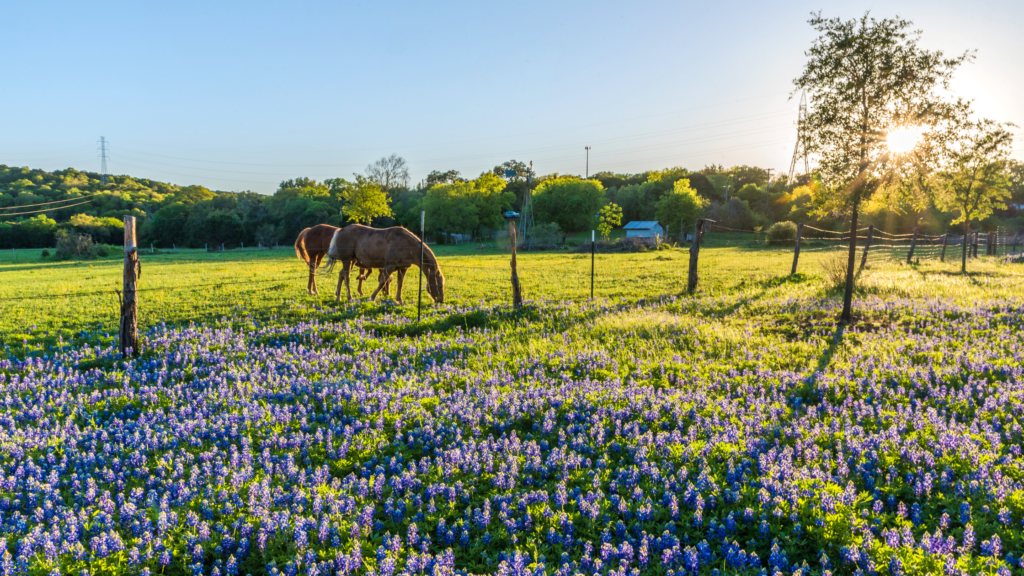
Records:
x=44, y=301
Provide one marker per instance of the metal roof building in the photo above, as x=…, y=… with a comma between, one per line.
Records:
x=644, y=229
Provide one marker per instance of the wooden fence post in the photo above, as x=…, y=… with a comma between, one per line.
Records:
x=128, y=330
x=423, y=236
x=974, y=246
x=1016, y=237
x=517, y=294
x=945, y=239
x=913, y=243
x=867, y=246
x=691, y=284
x=796, y=247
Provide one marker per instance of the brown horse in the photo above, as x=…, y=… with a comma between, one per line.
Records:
x=390, y=249
x=311, y=246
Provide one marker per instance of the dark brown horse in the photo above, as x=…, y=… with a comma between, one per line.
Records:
x=389, y=249
x=311, y=246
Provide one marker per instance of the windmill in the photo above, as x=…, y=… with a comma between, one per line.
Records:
x=796, y=149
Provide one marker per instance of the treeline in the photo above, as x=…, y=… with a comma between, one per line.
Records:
x=193, y=216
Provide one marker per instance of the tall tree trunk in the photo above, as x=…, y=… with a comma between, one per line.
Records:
x=848, y=295
x=963, y=259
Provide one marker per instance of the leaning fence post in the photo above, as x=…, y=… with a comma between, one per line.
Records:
x=945, y=238
x=796, y=247
x=517, y=294
x=913, y=243
x=867, y=245
x=128, y=329
x=694, y=252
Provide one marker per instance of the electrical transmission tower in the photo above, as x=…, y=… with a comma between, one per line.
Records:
x=798, y=147
x=103, y=159
x=526, y=219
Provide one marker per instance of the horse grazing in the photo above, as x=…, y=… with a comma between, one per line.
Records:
x=390, y=250
x=311, y=246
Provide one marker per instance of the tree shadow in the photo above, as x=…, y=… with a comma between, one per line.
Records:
x=825, y=360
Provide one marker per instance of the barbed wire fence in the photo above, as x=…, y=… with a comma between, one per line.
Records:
x=805, y=253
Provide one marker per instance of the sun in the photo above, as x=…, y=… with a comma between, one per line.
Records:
x=903, y=140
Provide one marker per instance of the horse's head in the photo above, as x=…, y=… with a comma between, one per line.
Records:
x=435, y=282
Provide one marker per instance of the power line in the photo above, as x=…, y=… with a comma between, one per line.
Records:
x=44, y=210
x=45, y=203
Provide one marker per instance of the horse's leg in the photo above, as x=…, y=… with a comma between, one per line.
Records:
x=386, y=281
x=364, y=273
x=314, y=264
x=382, y=280
x=346, y=266
x=401, y=280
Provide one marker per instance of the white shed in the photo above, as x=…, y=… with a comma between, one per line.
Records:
x=644, y=229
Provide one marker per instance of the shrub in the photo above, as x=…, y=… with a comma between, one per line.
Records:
x=782, y=233
x=46, y=253
x=104, y=250
x=835, y=269
x=72, y=245
x=545, y=235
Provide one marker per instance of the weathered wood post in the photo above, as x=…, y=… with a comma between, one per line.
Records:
x=517, y=294
x=691, y=284
x=867, y=246
x=945, y=239
x=682, y=230
x=913, y=244
x=796, y=247
x=128, y=329
x=592, y=245
x=1016, y=237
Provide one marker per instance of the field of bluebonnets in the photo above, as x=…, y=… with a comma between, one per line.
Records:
x=736, y=433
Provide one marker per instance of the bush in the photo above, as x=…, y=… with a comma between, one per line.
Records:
x=72, y=245
x=782, y=233
x=835, y=269
x=545, y=235
x=46, y=253
x=104, y=250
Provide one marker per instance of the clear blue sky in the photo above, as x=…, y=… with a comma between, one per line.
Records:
x=241, y=95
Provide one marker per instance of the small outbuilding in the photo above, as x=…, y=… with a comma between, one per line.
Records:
x=644, y=229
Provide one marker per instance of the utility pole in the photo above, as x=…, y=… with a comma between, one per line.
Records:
x=587, y=148
x=103, y=160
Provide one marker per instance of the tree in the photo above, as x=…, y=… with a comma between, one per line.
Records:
x=449, y=177
x=610, y=217
x=365, y=200
x=974, y=182
x=866, y=78
x=389, y=172
x=568, y=201
x=681, y=204
x=521, y=169
x=466, y=206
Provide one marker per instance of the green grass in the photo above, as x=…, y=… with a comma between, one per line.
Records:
x=42, y=302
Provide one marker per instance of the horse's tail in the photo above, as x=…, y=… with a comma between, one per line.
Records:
x=329, y=267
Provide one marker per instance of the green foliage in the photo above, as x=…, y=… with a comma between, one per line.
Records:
x=545, y=235
x=467, y=207
x=72, y=245
x=974, y=182
x=782, y=233
x=610, y=217
x=365, y=200
x=570, y=202
x=683, y=204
